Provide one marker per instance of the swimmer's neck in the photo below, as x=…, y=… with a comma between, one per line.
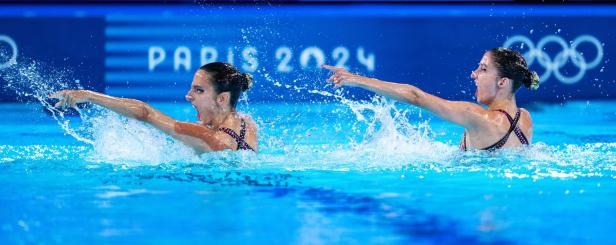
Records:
x=507, y=103
x=222, y=119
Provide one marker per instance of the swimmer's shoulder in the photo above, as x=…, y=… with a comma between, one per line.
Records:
x=251, y=131
x=526, y=124
x=525, y=115
x=250, y=123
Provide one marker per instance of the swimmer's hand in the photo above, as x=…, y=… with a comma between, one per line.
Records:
x=70, y=98
x=342, y=77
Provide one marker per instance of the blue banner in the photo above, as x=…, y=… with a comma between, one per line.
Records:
x=152, y=52
x=72, y=46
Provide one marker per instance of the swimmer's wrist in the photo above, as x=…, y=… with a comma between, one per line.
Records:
x=88, y=96
x=363, y=81
x=355, y=82
x=91, y=96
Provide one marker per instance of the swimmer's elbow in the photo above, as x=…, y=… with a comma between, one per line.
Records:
x=414, y=96
x=141, y=111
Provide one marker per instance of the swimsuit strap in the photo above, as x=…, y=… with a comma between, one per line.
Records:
x=242, y=129
x=503, y=140
x=516, y=130
x=463, y=143
x=241, y=144
x=512, y=128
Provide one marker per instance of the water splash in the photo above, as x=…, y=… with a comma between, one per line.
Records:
x=113, y=139
x=32, y=80
x=140, y=144
x=388, y=139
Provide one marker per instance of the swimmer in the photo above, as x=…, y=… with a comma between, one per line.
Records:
x=214, y=92
x=500, y=73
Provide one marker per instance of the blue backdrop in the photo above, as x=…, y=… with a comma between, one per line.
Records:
x=74, y=46
x=151, y=52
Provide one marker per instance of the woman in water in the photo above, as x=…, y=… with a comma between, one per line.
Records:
x=214, y=93
x=500, y=73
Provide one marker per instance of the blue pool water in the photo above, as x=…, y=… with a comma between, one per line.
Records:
x=343, y=172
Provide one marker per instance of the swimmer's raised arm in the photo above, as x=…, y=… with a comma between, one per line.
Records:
x=127, y=107
x=197, y=136
x=458, y=112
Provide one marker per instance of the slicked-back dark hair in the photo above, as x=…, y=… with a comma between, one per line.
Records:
x=511, y=64
x=227, y=78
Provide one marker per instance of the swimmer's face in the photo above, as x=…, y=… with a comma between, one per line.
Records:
x=486, y=78
x=203, y=97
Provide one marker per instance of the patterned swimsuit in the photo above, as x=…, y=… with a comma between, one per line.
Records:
x=241, y=144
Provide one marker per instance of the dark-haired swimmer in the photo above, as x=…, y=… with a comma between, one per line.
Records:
x=214, y=93
x=500, y=73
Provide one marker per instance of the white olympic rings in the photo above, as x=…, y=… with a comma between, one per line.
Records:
x=561, y=58
x=13, y=59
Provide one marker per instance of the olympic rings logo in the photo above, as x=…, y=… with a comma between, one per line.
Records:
x=560, y=60
x=13, y=59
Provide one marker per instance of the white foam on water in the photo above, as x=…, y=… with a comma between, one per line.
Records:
x=117, y=139
x=10, y=153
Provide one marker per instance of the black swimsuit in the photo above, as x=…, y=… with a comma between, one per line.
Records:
x=241, y=144
x=513, y=128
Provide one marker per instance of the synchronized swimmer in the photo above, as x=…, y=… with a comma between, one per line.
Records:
x=216, y=88
x=214, y=92
x=500, y=73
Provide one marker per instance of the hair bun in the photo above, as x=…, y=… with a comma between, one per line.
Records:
x=246, y=82
x=534, y=81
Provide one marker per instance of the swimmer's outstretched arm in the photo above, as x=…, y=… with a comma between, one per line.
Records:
x=199, y=137
x=467, y=114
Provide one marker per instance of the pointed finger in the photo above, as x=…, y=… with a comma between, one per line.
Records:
x=332, y=68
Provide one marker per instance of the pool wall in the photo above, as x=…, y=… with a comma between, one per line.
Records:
x=150, y=52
